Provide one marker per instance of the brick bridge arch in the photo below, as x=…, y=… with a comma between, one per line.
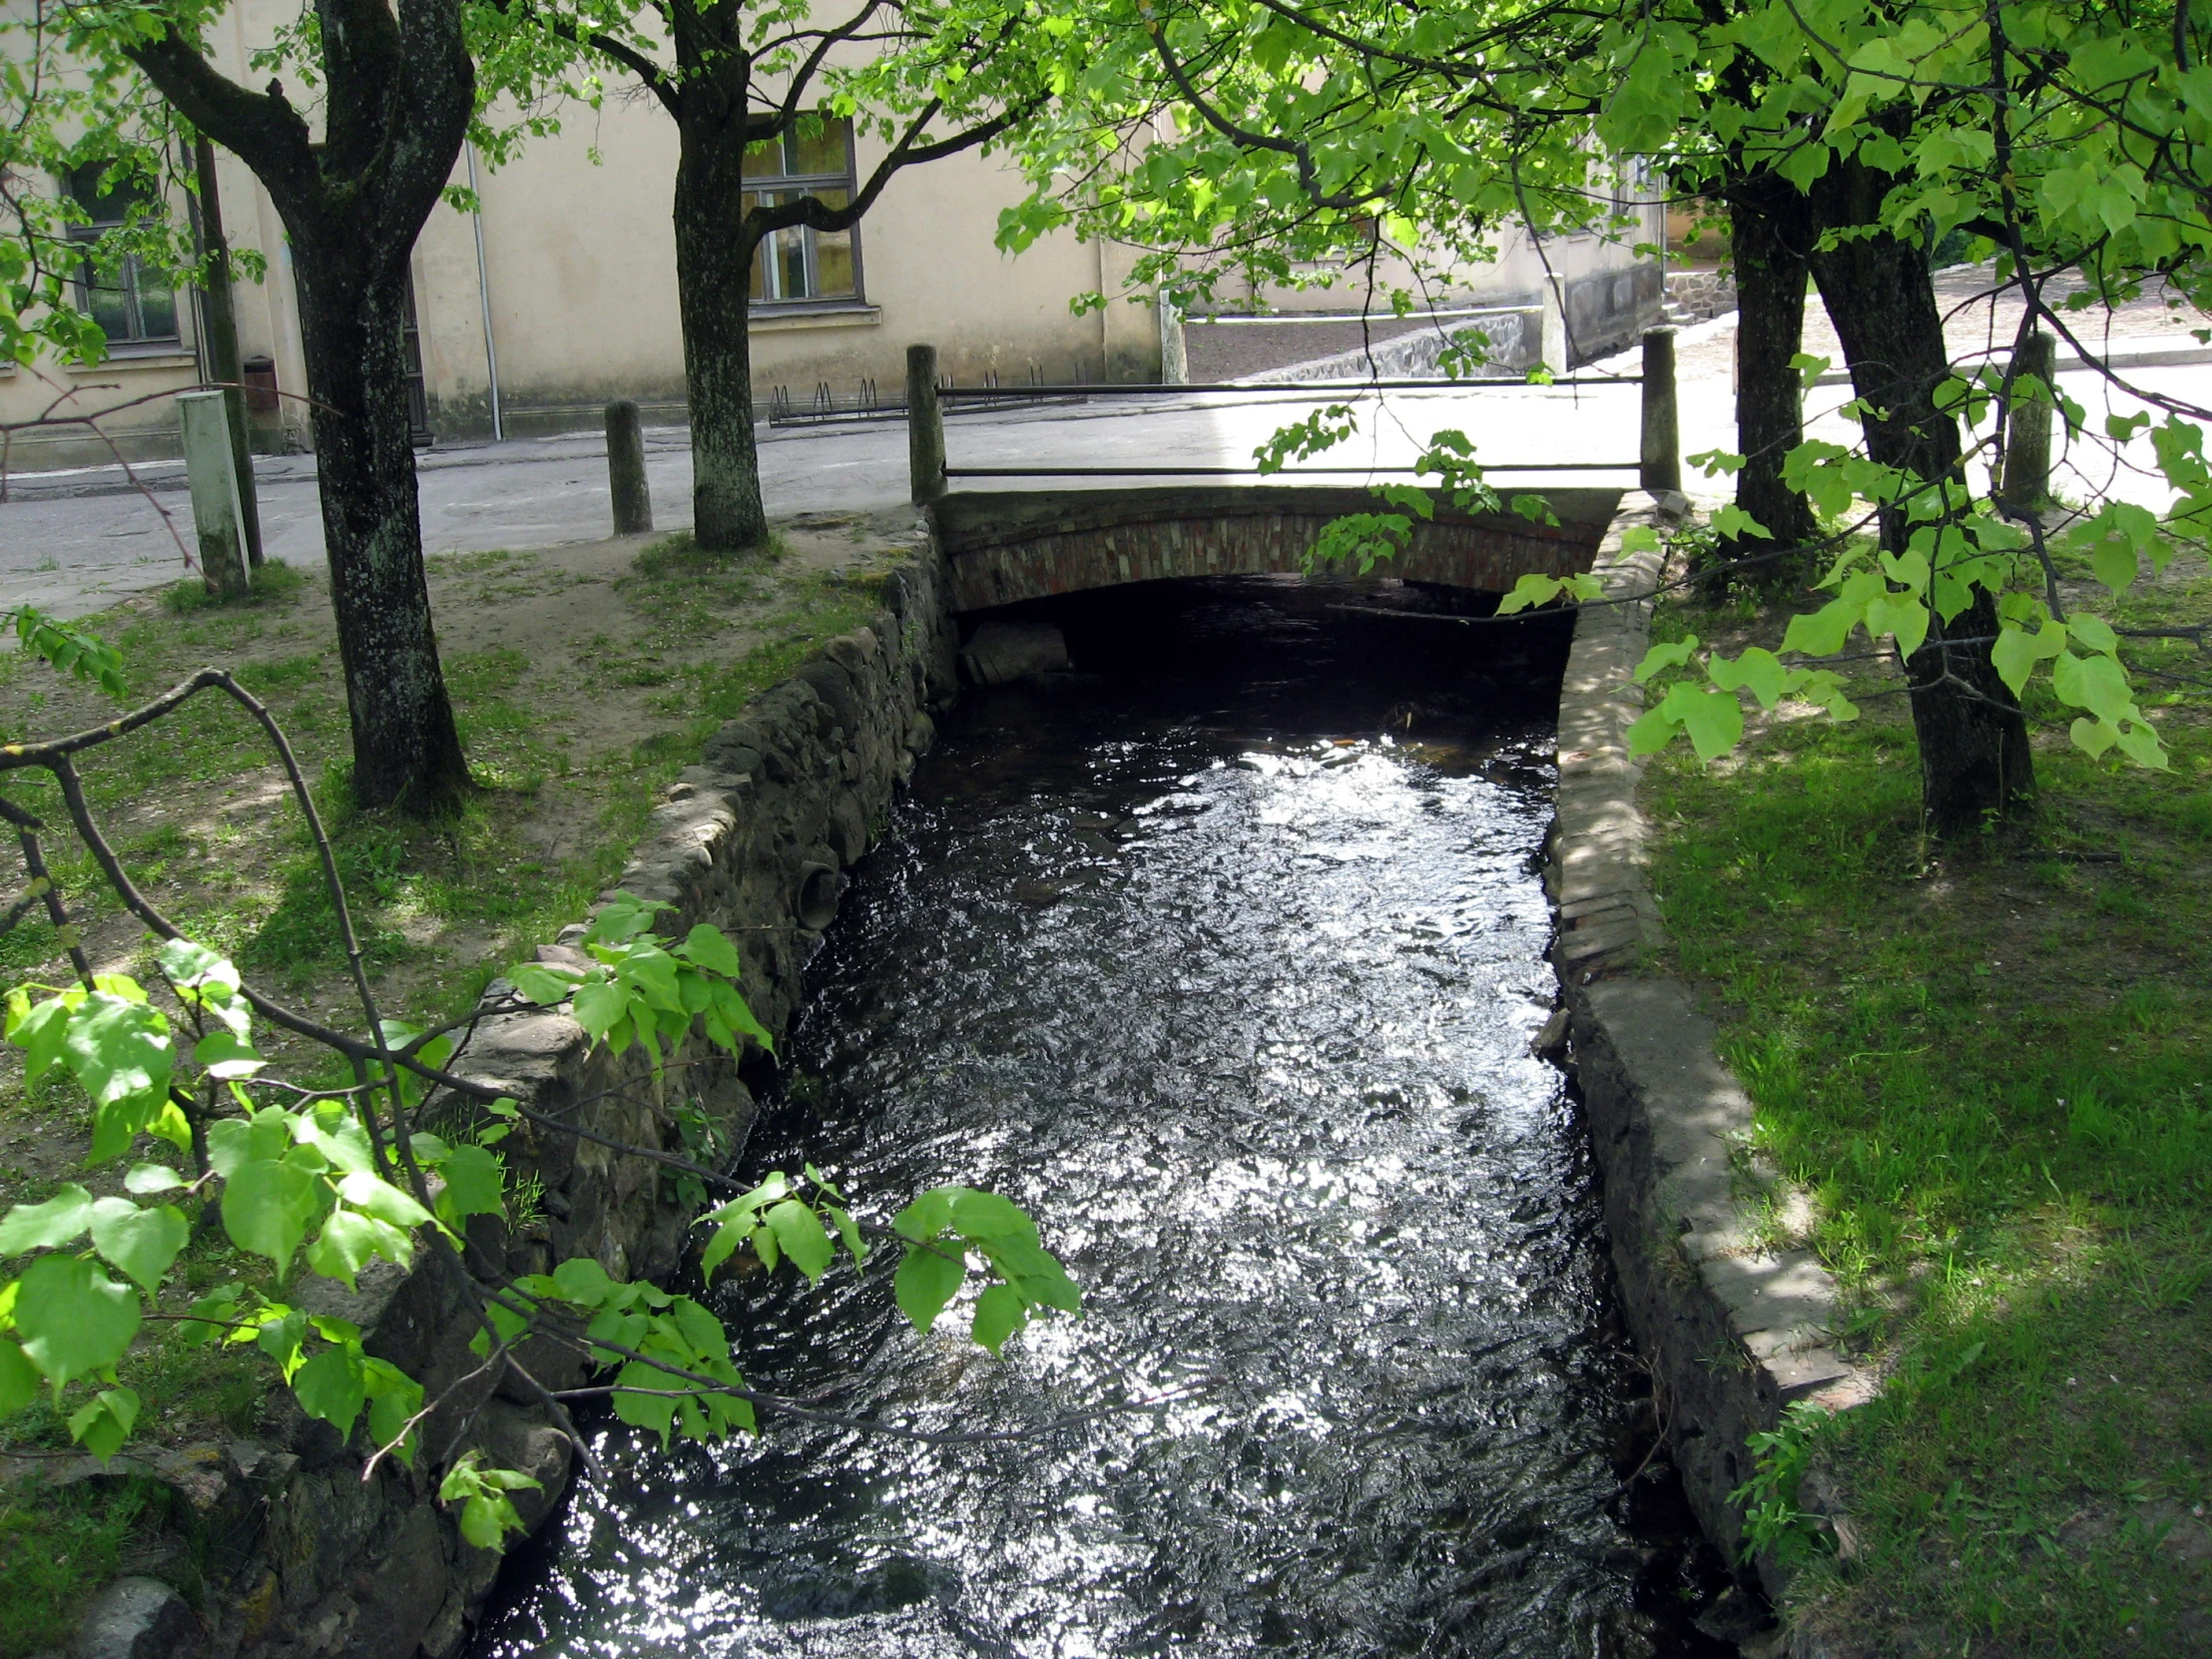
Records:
x=1008, y=546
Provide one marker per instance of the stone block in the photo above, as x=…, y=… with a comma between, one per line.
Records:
x=138, y=1618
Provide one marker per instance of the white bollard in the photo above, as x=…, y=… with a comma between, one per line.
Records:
x=1552, y=349
x=218, y=518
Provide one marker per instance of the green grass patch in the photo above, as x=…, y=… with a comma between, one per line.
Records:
x=274, y=583
x=1989, y=1065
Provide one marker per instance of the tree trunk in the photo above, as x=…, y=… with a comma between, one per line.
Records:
x=1769, y=238
x=397, y=90
x=406, y=750
x=1976, y=768
x=714, y=278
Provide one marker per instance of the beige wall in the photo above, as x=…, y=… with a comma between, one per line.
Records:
x=580, y=265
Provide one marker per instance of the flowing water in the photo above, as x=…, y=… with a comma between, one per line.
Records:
x=1224, y=964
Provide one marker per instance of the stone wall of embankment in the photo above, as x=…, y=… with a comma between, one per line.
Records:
x=305, y=1560
x=1732, y=1331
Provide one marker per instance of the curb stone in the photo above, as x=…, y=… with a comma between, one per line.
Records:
x=1733, y=1332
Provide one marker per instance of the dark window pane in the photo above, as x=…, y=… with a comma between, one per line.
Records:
x=834, y=265
x=817, y=146
x=790, y=265
x=765, y=160
x=107, y=305
x=157, y=304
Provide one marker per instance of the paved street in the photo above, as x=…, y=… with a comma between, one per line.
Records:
x=73, y=542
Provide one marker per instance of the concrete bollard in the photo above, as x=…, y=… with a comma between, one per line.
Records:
x=633, y=501
x=1175, y=357
x=1660, y=460
x=2027, y=484
x=925, y=423
x=210, y=469
x=1551, y=335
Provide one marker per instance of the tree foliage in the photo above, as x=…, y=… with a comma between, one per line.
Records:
x=327, y=1181
x=1258, y=137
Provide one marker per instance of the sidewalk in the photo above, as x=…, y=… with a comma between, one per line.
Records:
x=72, y=542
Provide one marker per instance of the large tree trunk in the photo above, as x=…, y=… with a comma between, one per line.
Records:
x=1976, y=768
x=397, y=90
x=406, y=750
x=714, y=278
x=1768, y=240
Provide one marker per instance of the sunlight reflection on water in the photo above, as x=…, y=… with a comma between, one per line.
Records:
x=1241, y=1011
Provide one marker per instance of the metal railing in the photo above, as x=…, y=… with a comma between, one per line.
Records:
x=1658, y=464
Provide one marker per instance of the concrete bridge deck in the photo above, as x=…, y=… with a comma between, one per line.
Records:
x=1010, y=546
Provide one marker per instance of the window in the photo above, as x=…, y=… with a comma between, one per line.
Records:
x=132, y=304
x=802, y=264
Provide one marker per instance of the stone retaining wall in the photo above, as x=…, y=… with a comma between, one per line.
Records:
x=1732, y=1332
x=306, y=1560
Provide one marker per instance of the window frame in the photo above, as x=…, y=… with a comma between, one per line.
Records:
x=782, y=185
x=129, y=274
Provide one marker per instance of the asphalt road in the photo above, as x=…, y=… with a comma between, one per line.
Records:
x=73, y=542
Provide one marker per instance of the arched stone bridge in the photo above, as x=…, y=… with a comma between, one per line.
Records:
x=1008, y=546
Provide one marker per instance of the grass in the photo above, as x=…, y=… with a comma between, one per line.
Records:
x=1988, y=1065
x=53, y=1542
x=571, y=741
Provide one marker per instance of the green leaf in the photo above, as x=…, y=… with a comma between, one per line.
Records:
x=798, y=1232
x=185, y=963
x=540, y=984
x=2097, y=684
x=18, y=1379
x=926, y=1216
x=710, y=948
x=119, y=1050
x=46, y=1226
x=1757, y=669
x=349, y=1240
x=143, y=1243
x=1671, y=655
x=40, y=1033
x=998, y=1314
x=1822, y=633
x=599, y=1004
x=987, y=1215
x=2016, y=652
x=332, y=1386
x=1735, y=524
x=641, y=1411
x=152, y=1178
x=226, y=1054
x=2114, y=564
x=375, y=1196
x=1901, y=616
x=583, y=1281
x=1714, y=720
x=721, y=1247
x=926, y=1280
x=268, y=1207
x=282, y=1334
x=474, y=1182
x=393, y=1398
x=1639, y=538
x=103, y=1424
x=73, y=1320
x=849, y=1230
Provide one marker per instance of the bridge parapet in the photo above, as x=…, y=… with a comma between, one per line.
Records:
x=1008, y=546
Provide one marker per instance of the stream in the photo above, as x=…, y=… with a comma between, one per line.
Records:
x=1222, y=960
